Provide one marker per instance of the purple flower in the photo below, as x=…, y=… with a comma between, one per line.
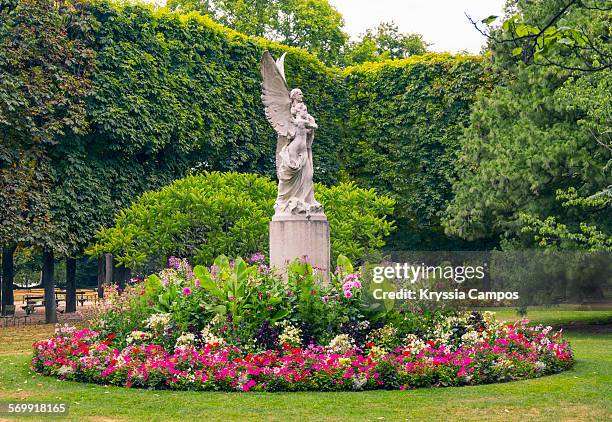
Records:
x=186, y=291
x=257, y=257
x=348, y=294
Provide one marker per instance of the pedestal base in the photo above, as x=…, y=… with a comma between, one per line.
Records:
x=294, y=237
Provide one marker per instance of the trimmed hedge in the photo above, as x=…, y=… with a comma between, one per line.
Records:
x=404, y=122
x=206, y=215
x=184, y=90
x=175, y=92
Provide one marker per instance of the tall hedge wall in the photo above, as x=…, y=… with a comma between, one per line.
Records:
x=175, y=92
x=184, y=87
x=403, y=127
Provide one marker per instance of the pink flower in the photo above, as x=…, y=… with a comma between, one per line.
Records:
x=348, y=294
x=197, y=282
x=186, y=291
x=248, y=385
x=347, y=286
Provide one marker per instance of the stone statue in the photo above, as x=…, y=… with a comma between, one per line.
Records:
x=289, y=117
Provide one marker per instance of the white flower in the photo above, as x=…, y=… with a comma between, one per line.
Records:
x=158, y=322
x=65, y=370
x=185, y=340
x=137, y=336
x=414, y=344
x=290, y=334
x=341, y=344
x=209, y=337
x=359, y=382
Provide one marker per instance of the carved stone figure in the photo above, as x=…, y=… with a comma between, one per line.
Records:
x=295, y=127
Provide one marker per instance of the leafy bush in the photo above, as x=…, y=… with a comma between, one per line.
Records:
x=202, y=216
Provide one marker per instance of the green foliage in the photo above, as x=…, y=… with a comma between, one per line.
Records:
x=234, y=302
x=404, y=121
x=567, y=34
x=171, y=92
x=210, y=214
x=541, y=131
x=181, y=90
x=552, y=234
x=45, y=70
x=313, y=25
x=383, y=43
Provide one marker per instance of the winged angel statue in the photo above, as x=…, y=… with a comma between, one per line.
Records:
x=289, y=117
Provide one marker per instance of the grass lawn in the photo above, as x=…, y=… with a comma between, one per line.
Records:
x=580, y=394
x=560, y=315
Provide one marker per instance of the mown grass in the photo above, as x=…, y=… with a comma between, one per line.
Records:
x=580, y=394
x=560, y=315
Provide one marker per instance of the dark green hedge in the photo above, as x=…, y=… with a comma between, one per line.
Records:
x=403, y=126
x=184, y=89
x=176, y=92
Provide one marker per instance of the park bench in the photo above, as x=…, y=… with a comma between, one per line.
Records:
x=33, y=302
x=9, y=315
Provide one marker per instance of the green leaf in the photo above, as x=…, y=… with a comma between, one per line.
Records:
x=282, y=313
x=220, y=309
x=201, y=272
x=489, y=20
x=517, y=51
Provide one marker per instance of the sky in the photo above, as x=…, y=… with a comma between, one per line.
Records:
x=441, y=22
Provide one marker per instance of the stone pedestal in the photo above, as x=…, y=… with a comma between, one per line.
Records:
x=296, y=236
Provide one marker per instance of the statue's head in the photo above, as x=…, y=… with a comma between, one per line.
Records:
x=296, y=95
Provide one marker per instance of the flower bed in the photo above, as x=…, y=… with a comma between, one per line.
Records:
x=238, y=326
x=511, y=352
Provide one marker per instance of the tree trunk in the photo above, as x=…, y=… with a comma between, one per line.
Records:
x=70, y=285
x=121, y=276
x=108, y=275
x=8, y=273
x=49, y=285
x=100, y=277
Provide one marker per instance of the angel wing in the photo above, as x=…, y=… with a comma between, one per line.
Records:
x=275, y=93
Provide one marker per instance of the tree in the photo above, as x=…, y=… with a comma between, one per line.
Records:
x=542, y=134
x=45, y=66
x=562, y=33
x=314, y=25
x=382, y=43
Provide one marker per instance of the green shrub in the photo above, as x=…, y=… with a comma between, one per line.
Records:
x=209, y=214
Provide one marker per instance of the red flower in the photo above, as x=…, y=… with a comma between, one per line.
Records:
x=370, y=345
x=112, y=336
x=431, y=343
